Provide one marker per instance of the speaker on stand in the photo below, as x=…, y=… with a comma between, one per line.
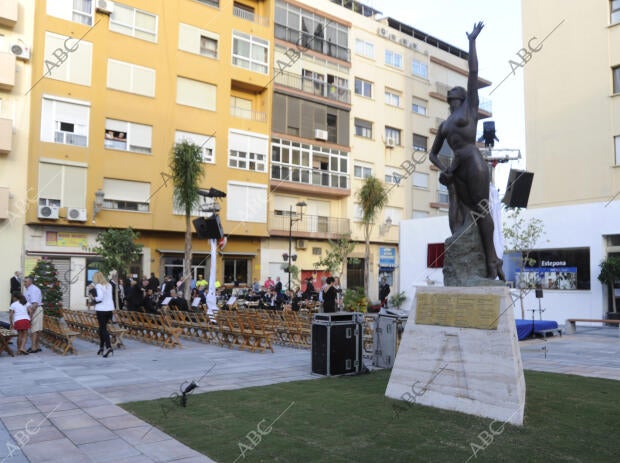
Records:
x=518, y=188
x=210, y=227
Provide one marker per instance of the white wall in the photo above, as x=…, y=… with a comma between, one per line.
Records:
x=572, y=226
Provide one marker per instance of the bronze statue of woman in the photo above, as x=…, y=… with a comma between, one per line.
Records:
x=467, y=177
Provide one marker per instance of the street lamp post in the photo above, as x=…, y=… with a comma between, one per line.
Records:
x=290, y=256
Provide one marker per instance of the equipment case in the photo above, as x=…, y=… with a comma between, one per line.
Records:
x=337, y=343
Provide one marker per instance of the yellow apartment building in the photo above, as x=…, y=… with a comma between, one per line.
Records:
x=354, y=95
x=16, y=38
x=116, y=84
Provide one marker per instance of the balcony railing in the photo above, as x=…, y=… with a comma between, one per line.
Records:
x=313, y=86
x=248, y=114
x=250, y=16
x=279, y=220
x=308, y=176
x=70, y=138
x=305, y=40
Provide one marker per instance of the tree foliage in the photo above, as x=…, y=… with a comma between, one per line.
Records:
x=520, y=236
x=610, y=273
x=336, y=257
x=118, y=249
x=186, y=170
x=45, y=277
x=372, y=197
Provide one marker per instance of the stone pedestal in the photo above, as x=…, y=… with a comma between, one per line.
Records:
x=460, y=352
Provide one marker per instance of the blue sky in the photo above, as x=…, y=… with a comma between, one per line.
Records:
x=498, y=43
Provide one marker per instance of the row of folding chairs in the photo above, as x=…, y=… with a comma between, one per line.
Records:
x=196, y=326
x=85, y=323
x=154, y=329
x=227, y=328
x=292, y=329
x=57, y=336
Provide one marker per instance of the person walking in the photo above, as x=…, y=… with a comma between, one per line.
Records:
x=384, y=292
x=33, y=296
x=19, y=318
x=104, y=308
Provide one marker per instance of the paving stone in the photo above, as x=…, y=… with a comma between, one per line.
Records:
x=42, y=434
x=55, y=451
x=76, y=421
x=89, y=435
x=167, y=450
x=25, y=421
x=110, y=450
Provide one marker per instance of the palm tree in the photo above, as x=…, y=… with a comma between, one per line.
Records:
x=372, y=198
x=610, y=273
x=186, y=170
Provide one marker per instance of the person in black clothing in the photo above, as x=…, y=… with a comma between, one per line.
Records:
x=278, y=286
x=134, y=296
x=309, y=290
x=150, y=302
x=166, y=286
x=384, y=291
x=16, y=283
x=153, y=282
x=177, y=302
x=329, y=296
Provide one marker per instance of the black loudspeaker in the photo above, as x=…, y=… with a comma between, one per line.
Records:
x=539, y=292
x=518, y=188
x=336, y=344
x=210, y=228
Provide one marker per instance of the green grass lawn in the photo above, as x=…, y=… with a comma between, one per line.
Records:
x=348, y=419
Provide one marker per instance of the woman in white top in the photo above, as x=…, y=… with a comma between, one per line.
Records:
x=104, y=308
x=19, y=317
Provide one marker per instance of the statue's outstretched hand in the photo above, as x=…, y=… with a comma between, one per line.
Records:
x=475, y=31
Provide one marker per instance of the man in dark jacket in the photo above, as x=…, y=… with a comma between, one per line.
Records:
x=384, y=291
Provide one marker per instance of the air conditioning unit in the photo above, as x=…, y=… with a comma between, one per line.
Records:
x=382, y=31
x=413, y=45
x=393, y=37
x=390, y=142
x=76, y=215
x=105, y=6
x=48, y=212
x=320, y=134
x=300, y=244
x=404, y=42
x=21, y=50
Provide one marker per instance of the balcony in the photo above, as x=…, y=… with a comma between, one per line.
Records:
x=306, y=41
x=8, y=13
x=315, y=226
x=70, y=138
x=6, y=135
x=248, y=114
x=312, y=86
x=7, y=71
x=318, y=182
x=249, y=15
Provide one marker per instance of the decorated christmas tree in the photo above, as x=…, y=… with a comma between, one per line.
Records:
x=45, y=277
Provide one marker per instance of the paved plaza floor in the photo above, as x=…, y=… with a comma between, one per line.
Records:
x=63, y=409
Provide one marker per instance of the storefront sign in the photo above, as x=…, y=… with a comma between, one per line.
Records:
x=64, y=239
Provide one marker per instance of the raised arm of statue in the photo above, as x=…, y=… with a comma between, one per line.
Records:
x=472, y=80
